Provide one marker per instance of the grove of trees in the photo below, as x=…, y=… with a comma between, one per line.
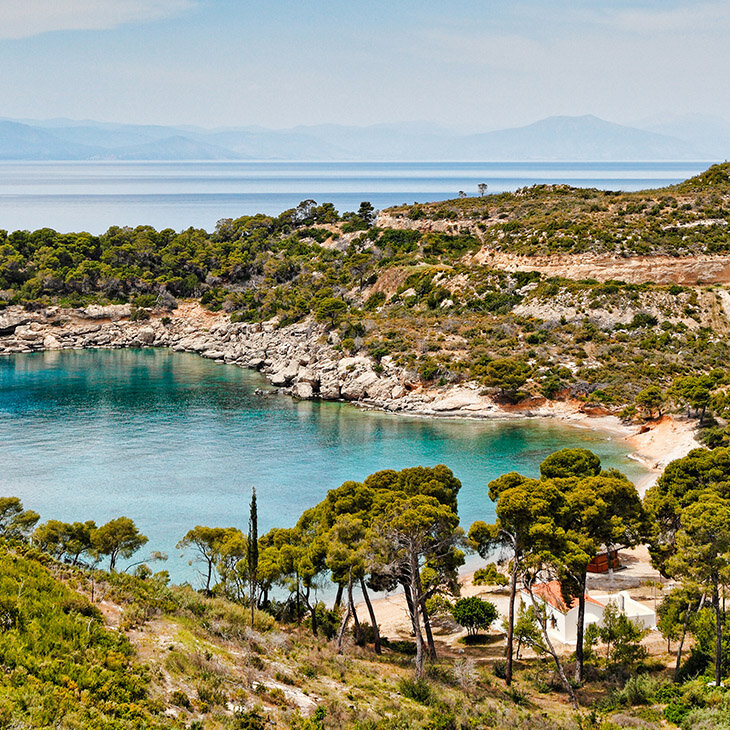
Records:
x=400, y=530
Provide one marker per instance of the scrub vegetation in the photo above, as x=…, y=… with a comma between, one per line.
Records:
x=427, y=296
x=121, y=647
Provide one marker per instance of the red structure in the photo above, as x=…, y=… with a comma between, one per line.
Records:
x=604, y=561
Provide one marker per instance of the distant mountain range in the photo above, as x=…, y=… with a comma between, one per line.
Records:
x=555, y=138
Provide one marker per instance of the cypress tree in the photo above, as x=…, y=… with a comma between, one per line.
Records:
x=253, y=551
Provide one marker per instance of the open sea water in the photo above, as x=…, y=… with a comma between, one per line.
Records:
x=92, y=196
x=173, y=440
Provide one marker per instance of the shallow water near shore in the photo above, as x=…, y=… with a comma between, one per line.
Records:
x=173, y=440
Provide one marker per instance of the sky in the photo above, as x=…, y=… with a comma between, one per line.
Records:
x=469, y=65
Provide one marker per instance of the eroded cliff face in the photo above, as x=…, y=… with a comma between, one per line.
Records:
x=687, y=269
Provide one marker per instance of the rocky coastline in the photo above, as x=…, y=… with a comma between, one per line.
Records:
x=303, y=360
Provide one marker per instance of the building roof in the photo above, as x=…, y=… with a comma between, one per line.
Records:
x=551, y=594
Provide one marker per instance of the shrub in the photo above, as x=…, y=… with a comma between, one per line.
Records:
x=374, y=301
x=249, y=720
x=180, y=699
x=138, y=315
x=402, y=647
x=473, y=614
x=417, y=690
x=639, y=690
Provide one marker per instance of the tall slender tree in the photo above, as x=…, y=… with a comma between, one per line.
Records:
x=207, y=542
x=520, y=505
x=602, y=513
x=410, y=533
x=253, y=551
x=703, y=556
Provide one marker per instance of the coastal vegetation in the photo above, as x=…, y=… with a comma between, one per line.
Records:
x=92, y=635
x=422, y=286
x=87, y=643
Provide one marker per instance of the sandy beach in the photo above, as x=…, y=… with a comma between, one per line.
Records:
x=655, y=444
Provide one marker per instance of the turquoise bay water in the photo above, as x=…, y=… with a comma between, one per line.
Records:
x=173, y=440
x=92, y=196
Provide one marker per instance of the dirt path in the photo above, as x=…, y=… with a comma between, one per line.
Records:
x=392, y=613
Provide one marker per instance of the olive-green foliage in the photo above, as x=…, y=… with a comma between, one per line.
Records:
x=489, y=576
x=16, y=523
x=118, y=538
x=568, y=463
x=417, y=690
x=507, y=374
x=60, y=665
x=564, y=219
x=620, y=636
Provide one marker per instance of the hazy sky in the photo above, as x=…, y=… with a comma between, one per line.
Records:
x=476, y=64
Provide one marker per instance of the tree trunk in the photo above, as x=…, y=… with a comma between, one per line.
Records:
x=373, y=621
x=338, y=597
x=684, y=634
x=511, y=621
x=207, y=580
x=407, y=592
x=252, y=599
x=579, y=630
x=718, y=635
x=299, y=610
x=415, y=603
x=345, y=619
x=351, y=604
x=551, y=650
x=312, y=611
x=427, y=626
x=681, y=645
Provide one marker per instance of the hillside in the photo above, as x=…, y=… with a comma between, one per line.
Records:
x=145, y=654
x=429, y=297
x=689, y=218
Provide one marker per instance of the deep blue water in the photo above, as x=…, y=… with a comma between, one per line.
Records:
x=92, y=196
x=173, y=440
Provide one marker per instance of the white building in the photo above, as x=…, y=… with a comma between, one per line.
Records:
x=563, y=619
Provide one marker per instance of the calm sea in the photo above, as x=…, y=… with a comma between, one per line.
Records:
x=91, y=196
x=173, y=440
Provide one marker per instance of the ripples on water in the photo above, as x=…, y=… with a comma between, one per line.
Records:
x=173, y=440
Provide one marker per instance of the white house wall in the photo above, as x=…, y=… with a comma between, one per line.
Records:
x=563, y=626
